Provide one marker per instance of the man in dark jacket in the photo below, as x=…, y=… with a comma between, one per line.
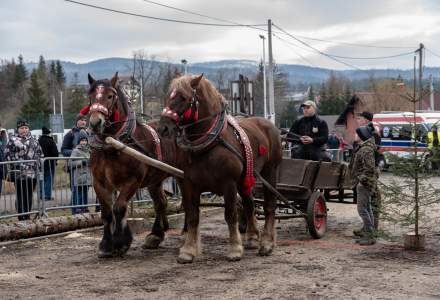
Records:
x=50, y=149
x=309, y=135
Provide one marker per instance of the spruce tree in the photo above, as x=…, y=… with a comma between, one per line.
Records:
x=36, y=110
x=60, y=76
x=42, y=69
x=20, y=74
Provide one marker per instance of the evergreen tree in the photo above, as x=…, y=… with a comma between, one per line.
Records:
x=42, y=69
x=60, y=76
x=288, y=115
x=77, y=96
x=20, y=74
x=311, y=95
x=36, y=110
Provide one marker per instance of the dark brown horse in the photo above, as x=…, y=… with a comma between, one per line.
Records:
x=215, y=162
x=111, y=115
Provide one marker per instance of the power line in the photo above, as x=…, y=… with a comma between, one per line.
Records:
x=432, y=52
x=348, y=57
x=299, y=55
x=319, y=51
x=198, y=14
x=377, y=57
x=158, y=18
x=353, y=44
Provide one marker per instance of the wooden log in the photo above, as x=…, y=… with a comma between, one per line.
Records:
x=39, y=227
x=143, y=158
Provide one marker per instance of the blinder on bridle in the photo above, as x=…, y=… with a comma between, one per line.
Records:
x=96, y=106
x=188, y=114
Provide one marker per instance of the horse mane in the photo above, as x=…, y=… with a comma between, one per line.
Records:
x=207, y=89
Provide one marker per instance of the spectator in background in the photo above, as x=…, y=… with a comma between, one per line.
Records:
x=50, y=149
x=334, y=145
x=71, y=139
x=81, y=177
x=366, y=117
x=23, y=146
x=3, y=141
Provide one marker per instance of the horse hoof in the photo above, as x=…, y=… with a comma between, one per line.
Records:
x=152, y=242
x=185, y=258
x=104, y=254
x=265, y=250
x=251, y=244
x=233, y=257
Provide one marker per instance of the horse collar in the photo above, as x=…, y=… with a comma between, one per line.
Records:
x=218, y=125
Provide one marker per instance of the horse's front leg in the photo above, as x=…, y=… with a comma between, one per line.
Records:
x=122, y=236
x=191, y=246
x=104, y=194
x=160, y=225
x=231, y=217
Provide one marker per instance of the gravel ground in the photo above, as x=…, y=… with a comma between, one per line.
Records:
x=334, y=267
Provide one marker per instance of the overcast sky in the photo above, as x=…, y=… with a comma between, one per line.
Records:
x=61, y=30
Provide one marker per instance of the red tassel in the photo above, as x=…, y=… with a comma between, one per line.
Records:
x=262, y=150
x=248, y=183
x=85, y=110
x=196, y=115
x=187, y=114
x=116, y=116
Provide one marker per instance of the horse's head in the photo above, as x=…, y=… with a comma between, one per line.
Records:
x=188, y=99
x=103, y=96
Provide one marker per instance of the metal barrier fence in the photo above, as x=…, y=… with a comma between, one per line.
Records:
x=53, y=184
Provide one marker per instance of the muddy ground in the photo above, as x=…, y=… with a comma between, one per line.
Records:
x=300, y=268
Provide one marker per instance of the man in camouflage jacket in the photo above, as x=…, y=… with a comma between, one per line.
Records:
x=364, y=175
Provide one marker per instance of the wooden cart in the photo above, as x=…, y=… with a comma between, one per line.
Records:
x=303, y=188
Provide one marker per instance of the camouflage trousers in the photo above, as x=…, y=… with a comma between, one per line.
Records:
x=376, y=205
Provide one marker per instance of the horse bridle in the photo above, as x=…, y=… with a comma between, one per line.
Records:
x=190, y=113
x=98, y=107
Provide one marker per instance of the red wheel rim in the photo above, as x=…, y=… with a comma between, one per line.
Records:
x=319, y=214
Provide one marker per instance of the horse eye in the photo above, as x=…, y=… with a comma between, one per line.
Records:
x=109, y=97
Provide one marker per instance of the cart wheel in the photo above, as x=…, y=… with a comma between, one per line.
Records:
x=317, y=215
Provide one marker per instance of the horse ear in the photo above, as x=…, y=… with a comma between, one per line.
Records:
x=91, y=80
x=196, y=80
x=114, y=80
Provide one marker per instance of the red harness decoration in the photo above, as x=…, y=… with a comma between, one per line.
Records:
x=249, y=180
x=156, y=141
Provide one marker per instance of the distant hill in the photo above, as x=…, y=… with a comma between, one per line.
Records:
x=106, y=67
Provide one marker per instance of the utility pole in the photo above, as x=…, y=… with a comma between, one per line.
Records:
x=53, y=100
x=61, y=102
x=264, y=77
x=184, y=62
x=420, y=50
x=270, y=73
x=431, y=93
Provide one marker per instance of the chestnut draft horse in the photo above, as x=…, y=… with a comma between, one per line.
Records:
x=111, y=115
x=215, y=161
